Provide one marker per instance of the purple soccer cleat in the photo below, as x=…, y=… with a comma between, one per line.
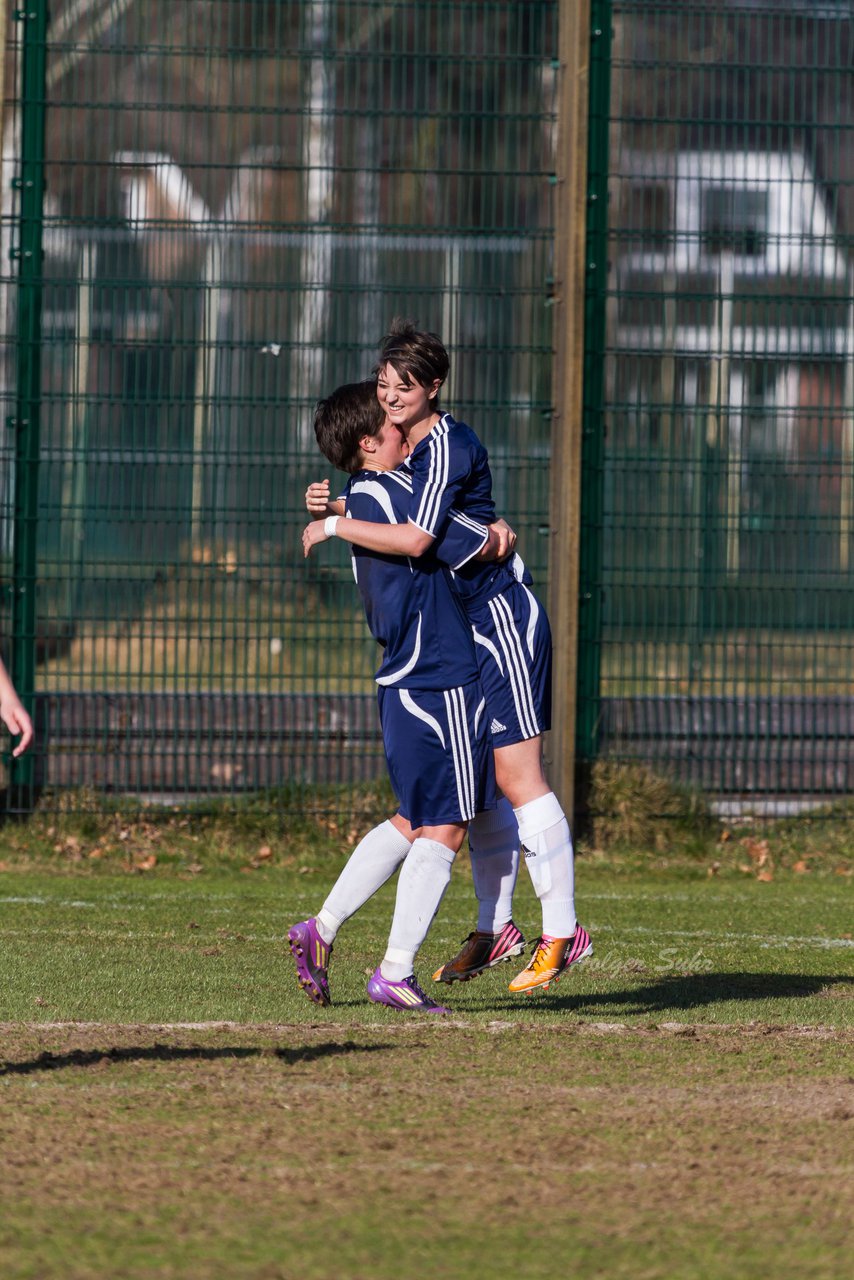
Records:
x=405, y=994
x=311, y=955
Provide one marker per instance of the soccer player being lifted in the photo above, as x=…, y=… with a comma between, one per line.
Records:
x=435, y=731
x=449, y=468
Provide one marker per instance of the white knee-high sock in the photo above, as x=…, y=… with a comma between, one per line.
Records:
x=547, y=850
x=421, y=885
x=375, y=858
x=494, y=850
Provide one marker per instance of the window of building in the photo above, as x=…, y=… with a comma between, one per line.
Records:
x=650, y=216
x=734, y=220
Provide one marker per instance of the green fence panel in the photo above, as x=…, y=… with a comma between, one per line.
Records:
x=240, y=195
x=225, y=202
x=721, y=516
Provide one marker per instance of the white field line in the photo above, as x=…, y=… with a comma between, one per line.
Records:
x=717, y=935
x=225, y=903
x=43, y=902
x=218, y=906
x=711, y=937
x=116, y=904
x=140, y=935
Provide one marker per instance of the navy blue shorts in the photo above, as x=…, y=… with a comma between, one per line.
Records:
x=513, y=642
x=439, y=752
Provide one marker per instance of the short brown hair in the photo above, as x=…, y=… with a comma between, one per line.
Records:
x=415, y=353
x=343, y=418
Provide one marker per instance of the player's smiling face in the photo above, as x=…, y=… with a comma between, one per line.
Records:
x=406, y=402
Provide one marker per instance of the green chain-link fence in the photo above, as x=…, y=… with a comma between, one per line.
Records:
x=210, y=213
x=719, y=472
x=239, y=195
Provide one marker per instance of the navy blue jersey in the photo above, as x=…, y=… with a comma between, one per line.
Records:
x=410, y=606
x=450, y=471
x=450, y=463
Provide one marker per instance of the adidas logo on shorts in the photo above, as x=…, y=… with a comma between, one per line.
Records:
x=497, y=727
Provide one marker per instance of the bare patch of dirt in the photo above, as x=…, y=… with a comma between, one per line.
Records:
x=644, y=1145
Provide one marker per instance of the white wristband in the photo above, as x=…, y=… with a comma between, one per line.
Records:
x=329, y=525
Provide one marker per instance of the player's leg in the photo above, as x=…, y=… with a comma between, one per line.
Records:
x=515, y=651
x=494, y=853
x=442, y=771
x=374, y=860
x=513, y=646
x=546, y=844
x=544, y=833
x=421, y=885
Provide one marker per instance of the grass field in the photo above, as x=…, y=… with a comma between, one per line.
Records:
x=173, y=1106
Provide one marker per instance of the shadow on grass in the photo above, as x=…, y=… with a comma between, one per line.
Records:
x=174, y=1053
x=692, y=991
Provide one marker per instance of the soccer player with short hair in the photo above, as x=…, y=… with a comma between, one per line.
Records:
x=431, y=708
x=450, y=468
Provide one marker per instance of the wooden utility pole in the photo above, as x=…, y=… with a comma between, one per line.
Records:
x=565, y=495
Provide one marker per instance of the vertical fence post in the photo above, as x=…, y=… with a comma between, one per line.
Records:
x=576, y=475
x=590, y=590
x=30, y=183
x=565, y=488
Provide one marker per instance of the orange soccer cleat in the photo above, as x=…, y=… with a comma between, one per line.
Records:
x=551, y=957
